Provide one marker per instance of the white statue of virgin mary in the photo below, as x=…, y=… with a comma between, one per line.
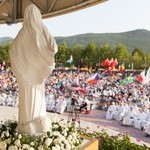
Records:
x=32, y=60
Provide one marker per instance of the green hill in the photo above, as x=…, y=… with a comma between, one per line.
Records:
x=132, y=39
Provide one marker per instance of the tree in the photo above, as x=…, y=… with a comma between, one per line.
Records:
x=77, y=55
x=4, y=54
x=105, y=51
x=122, y=54
x=147, y=61
x=139, y=51
x=137, y=60
x=89, y=55
x=62, y=55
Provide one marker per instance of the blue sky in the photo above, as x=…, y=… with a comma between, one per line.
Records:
x=111, y=16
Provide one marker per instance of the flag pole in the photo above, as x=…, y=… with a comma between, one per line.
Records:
x=99, y=63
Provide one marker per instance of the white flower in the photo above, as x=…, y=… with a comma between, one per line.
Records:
x=8, y=141
x=32, y=143
x=70, y=137
x=48, y=141
x=74, y=140
x=76, y=124
x=73, y=147
x=16, y=134
x=31, y=148
x=68, y=147
x=57, y=147
x=62, y=140
x=62, y=146
x=25, y=146
x=40, y=147
x=17, y=143
x=55, y=126
x=56, y=141
x=66, y=129
x=74, y=134
x=2, y=134
x=19, y=136
x=12, y=147
x=7, y=133
x=45, y=135
x=3, y=145
x=64, y=133
x=62, y=125
x=77, y=141
x=56, y=133
x=54, y=148
x=69, y=124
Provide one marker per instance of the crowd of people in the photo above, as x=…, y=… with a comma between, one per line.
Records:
x=61, y=89
x=8, y=88
x=132, y=113
x=129, y=103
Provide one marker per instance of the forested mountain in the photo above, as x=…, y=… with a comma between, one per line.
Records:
x=132, y=39
x=132, y=47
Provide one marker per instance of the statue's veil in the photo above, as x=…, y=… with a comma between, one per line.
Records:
x=32, y=60
x=35, y=47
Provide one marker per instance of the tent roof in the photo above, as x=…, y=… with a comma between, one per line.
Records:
x=11, y=11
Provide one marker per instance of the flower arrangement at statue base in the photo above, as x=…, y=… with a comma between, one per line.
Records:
x=63, y=136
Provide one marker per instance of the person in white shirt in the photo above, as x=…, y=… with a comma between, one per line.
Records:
x=146, y=121
x=128, y=119
x=146, y=101
x=61, y=106
x=68, y=104
x=127, y=108
x=147, y=129
x=116, y=111
x=121, y=112
x=135, y=107
x=110, y=112
x=3, y=97
x=146, y=108
x=85, y=104
x=141, y=116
